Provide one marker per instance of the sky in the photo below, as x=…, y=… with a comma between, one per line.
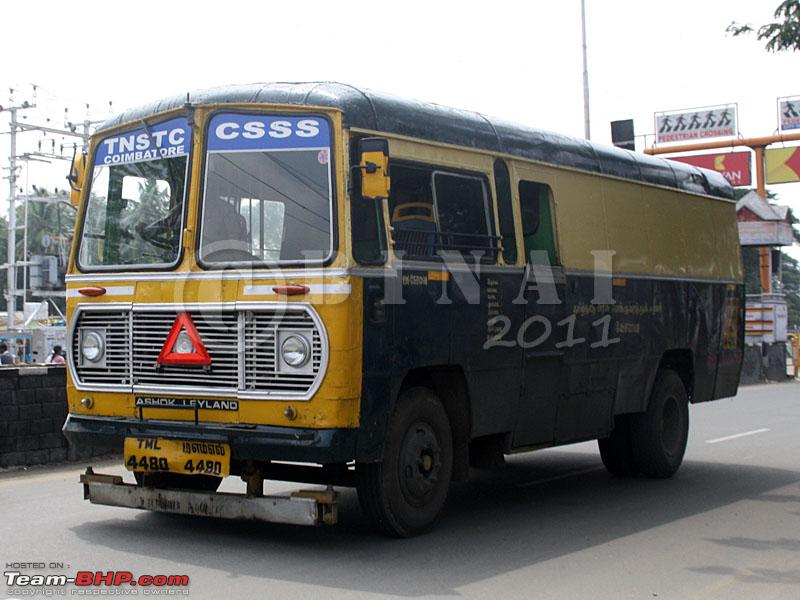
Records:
x=514, y=60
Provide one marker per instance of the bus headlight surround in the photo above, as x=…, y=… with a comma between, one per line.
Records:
x=93, y=346
x=295, y=350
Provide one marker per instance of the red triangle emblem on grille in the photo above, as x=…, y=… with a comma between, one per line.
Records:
x=168, y=356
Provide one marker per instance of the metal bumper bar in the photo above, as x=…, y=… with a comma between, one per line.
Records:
x=305, y=507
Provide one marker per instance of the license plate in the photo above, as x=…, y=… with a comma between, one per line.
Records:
x=189, y=457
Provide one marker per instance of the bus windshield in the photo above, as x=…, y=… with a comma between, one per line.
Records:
x=267, y=192
x=134, y=212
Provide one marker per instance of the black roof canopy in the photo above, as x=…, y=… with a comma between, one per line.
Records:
x=376, y=111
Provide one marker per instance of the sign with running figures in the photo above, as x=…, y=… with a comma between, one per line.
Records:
x=789, y=113
x=696, y=124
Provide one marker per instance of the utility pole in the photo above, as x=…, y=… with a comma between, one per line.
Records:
x=76, y=130
x=586, y=125
x=11, y=264
x=11, y=277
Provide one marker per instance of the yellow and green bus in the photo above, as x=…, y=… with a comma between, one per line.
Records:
x=317, y=283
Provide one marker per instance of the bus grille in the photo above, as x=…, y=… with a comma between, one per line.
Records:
x=261, y=331
x=243, y=365
x=116, y=326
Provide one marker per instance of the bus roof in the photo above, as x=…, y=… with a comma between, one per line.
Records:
x=366, y=109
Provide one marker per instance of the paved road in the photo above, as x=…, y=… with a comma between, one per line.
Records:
x=552, y=525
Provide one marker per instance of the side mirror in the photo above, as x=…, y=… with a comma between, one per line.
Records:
x=373, y=162
x=76, y=177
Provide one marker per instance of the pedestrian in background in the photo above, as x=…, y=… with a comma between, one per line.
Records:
x=6, y=357
x=56, y=357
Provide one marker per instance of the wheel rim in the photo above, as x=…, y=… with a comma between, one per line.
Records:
x=670, y=425
x=420, y=463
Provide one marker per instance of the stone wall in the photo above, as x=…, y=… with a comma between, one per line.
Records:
x=762, y=363
x=33, y=408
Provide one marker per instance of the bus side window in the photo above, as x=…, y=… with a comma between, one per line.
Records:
x=411, y=211
x=502, y=184
x=366, y=222
x=433, y=212
x=537, y=223
x=463, y=214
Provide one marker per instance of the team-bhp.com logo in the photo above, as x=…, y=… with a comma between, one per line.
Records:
x=90, y=583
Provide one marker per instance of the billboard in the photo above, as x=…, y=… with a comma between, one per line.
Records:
x=696, y=124
x=734, y=166
x=783, y=164
x=789, y=113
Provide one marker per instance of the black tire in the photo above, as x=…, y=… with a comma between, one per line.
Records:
x=404, y=494
x=196, y=483
x=659, y=435
x=616, y=451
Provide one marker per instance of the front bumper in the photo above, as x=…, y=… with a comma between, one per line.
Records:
x=306, y=507
x=248, y=442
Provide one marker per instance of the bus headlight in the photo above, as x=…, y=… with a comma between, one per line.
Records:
x=295, y=350
x=93, y=346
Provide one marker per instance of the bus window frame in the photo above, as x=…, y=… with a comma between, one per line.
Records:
x=87, y=190
x=551, y=204
x=335, y=249
x=493, y=252
x=516, y=215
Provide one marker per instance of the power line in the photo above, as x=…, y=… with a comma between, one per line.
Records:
x=18, y=125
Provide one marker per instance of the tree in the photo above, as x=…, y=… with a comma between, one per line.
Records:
x=790, y=273
x=47, y=220
x=151, y=207
x=741, y=192
x=784, y=34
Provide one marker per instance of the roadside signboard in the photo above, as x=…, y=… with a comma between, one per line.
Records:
x=734, y=166
x=789, y=113
x=696, y=124
x=783, y=164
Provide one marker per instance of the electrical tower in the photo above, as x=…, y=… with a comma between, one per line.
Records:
x=81, y=130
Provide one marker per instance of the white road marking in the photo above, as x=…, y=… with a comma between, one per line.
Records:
x=736, y=435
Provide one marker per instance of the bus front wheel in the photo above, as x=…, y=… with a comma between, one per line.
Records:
x=404, y=494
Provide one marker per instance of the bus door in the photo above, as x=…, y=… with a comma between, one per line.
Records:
x=540, y=333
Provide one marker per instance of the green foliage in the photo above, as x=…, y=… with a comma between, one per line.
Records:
x=791, y=287
x=784, y=34
x=52, y=220
x=152, y=206
x=741, y=192
x=752, y=281
x=790, y=275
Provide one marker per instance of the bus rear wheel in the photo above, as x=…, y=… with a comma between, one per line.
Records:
x=616, y=451
x=404, y=494
x=659, y=435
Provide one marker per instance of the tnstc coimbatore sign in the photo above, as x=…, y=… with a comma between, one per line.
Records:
x=696, y=124
x=734, y=166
